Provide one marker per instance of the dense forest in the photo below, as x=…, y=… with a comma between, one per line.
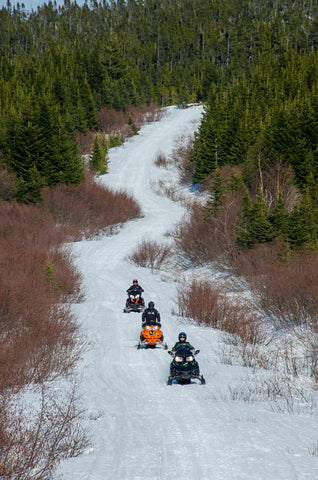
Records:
x=254, y=63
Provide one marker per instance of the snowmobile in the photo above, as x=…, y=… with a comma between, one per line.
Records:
x=184, y=366
x=135, y=302
x=151, y=336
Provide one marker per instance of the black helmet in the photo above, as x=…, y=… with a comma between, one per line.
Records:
x=182, y=335
x=151, y=305
x=135, y=281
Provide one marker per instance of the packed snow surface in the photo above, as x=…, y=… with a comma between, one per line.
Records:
x=140, y=428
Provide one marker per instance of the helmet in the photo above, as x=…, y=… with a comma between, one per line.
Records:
x=182, y=335
x=151, y=305
x=135, y=281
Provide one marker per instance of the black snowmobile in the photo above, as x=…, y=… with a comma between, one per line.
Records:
x=135, y=302
x=184, y=366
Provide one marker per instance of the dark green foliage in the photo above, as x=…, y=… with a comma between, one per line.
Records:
x=65, y=165
x=278, y=218
x=303, y=222
x=236, y=183
x=29, y=191
x=98, y=157
x=255, y=63
x=217, y=194
x=254, y=226
x=276, y=101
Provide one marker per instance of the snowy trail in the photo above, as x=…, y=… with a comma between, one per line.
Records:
x=141, y=429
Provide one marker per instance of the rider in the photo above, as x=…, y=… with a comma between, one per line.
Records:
x=135, y=287
x=182, y=341
x=151, y=316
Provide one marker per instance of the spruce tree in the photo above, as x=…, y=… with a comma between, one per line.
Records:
x=217, y=194
x=279, y=218
x=98, y=157
x=244, y=219
x=254, y=223
x=65, y=164
x=297, y=231
x=30, y=191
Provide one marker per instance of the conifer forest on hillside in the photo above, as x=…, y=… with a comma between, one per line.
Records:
x=252, y=63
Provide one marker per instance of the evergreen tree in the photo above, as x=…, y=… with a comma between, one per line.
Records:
x=30, y=191
x=98, y=157
x=303, y=227
x=25, y=145
x=279, y=218
x=217, y=194
x=65, y=164
x=244, y=220
x=297, y=232
x=259, y=70
x=254, y=223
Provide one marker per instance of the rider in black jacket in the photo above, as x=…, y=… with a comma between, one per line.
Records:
x=135, y=287
x=182, y=341
x=151, y=316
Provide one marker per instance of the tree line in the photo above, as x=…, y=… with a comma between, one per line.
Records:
x=253, y=63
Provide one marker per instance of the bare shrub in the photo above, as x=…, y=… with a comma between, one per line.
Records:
x=150, y=254
x=116, y=126
x=280, y=180
x=35, y=439
x=201, y=302
x=28, y=225
x=153, y=113
x=205, y=239
x=110, y=120
x=287, y=294
x=7, y=184
x=96, y=207
x=85, y=142
x=137, y=114
x=37, y=335
x=252, y=263
x=279, y=390
x=313, y=450
x=181, y=157
x=209, y=306
x=272, y=174
x=164, y=189
x=287, y=291
x=161, y=160
x=39, y=341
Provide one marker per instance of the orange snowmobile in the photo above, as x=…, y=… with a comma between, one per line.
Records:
x=151, y=336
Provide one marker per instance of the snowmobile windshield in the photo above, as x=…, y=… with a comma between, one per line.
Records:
x=183, y=350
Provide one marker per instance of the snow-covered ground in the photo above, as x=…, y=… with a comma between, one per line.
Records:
x=140, y=428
